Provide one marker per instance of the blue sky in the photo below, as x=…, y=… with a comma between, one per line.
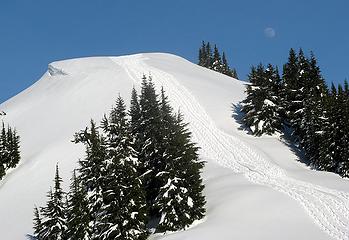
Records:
x=34, y=33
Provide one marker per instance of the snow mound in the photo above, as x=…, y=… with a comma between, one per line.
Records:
x=255, y=189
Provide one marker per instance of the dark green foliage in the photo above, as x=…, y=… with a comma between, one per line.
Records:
x=262, y=105
x=171, y=166
x=92, y=175
x=214, y=60
x=139, y=165
x=290, y=85
x=2, y=169
x=208, y=57
x=9, y=149
x=124, y=206
x=52, y=225
x=202, y=54
x=37, y=223
x=135, y=119
x=318, y=117
x=313, y=118
x=13, y=148
x=151, y=138
x=77, y=209
x=234, y=73
x=217, y=64
x=334, y=150
x=180, y=200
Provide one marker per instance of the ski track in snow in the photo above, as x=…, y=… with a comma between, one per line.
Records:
x=328, y=208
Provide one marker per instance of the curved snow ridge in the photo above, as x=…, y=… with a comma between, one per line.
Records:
x=328, y=208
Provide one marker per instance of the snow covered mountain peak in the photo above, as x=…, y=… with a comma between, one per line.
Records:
x=255, y=189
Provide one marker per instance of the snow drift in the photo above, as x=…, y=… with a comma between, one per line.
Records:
x=254, y=187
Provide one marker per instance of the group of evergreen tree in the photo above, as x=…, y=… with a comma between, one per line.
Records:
x=140, y=168
x=212, y=59
x=9, y=149
x=301, y=101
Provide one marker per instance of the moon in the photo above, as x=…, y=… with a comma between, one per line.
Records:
x=269, y=32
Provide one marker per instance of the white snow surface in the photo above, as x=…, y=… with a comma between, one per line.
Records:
x=255, y=187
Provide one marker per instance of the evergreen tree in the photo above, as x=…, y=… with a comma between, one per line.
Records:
x=174, y=178
x=233, y=73
x=262, y=102
x=208, y=56
x=225, y=66
x=328, y=152
x=151, y=138
x=37, y=223
x=214, y=61
x=180, y=199
x=253, y=94
x=5, y=156
x=116, y=185
x=318, y=117
x=346, y=88
x=77, y=209
x=202, y=55
x=92, y=176
x=290, y=85
x=297, y=104
x=217, y=64
x=226, y=69
x=3, y=152
x=9, y=149
x=343, y=166
x=13, y=148
x=334, y=146
x=2, y=169
x=53, y=222
x=134, y=112
x=135, y=121
x=313, y=118
x=124, y=208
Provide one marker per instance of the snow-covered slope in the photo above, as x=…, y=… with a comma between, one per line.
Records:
x=255, y=189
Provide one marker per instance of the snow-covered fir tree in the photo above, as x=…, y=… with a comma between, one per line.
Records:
x=217, y=64
x=334, y=147
x=299, y=96
x=52, y=224
x=213, y=60
x=318, y=117
x=313, y=118
x=12, y=148
x=9, y=149
x=233, y=73
x=180, y=200
x=173, y=162
x=202, y=55
x=77, y=209
x=37, y=223
x=327, y=151
x=151, y=139
x=135, y=119
x=92, y=176
x=124, y=207
x=262, y=106
x=225, y=66
x=343, y=166
x=4, y=153
x=116, y=188
x=289, y=85
x=208, y=56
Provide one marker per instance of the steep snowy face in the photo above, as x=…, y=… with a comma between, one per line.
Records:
x=243, y=173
